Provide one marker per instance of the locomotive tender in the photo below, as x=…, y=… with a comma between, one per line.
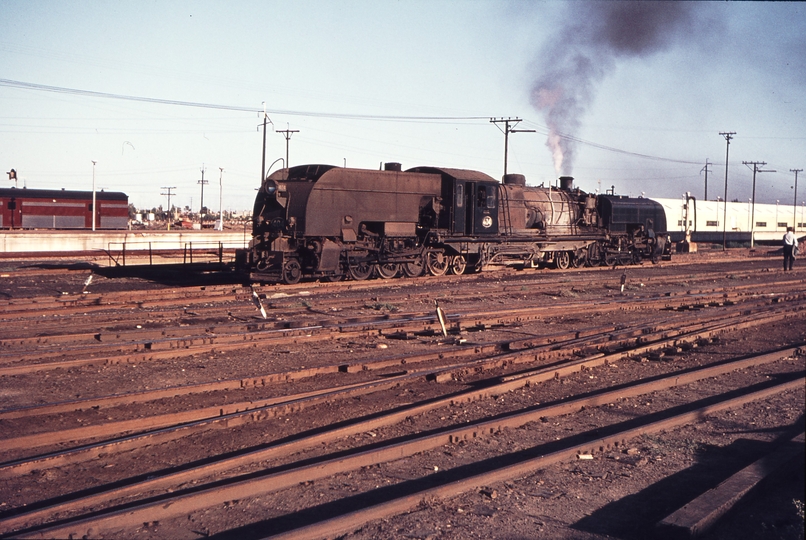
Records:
x=329, y=222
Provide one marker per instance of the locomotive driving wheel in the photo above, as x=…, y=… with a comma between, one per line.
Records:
x=291, y=272
x=359, y=271
x=595, y=257
x=388, y=270
x=414, y=268
x=437, y=263
x=458, y=265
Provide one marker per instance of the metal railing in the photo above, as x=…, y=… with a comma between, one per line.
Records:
x=170, y=252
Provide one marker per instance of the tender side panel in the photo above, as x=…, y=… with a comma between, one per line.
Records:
x=344, y=199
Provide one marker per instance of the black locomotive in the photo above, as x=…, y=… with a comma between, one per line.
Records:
x=329, y=222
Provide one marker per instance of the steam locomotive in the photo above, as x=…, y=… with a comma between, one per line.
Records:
x=322, y=221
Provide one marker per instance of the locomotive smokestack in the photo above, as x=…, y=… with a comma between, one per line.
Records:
x=392, y=166
x=567, y=183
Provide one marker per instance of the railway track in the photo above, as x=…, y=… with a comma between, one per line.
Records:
x=155, y=344
x=557, y=357
x=491, y=351
x=181, y=503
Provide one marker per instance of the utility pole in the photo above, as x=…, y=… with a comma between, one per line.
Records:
x=203, y=182
x=220, y=199
x=728, y=136
x=287, y=134
x=506, y=131
x=795, y=203
x=169, y=194
x=263, y=160
x=94, y=211
x=706, y=178
x=755, y=165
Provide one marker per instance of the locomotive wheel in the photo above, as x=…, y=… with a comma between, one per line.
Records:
x=292, y=272
x=437, y=263
x=610, y=258
x=360, y=271
x=562, y=260
x=333, y=278
x=458, y=265
x=413, y=269
x=594, y=257
x=389, y=270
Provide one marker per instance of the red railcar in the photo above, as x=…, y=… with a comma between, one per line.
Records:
x=61, y=209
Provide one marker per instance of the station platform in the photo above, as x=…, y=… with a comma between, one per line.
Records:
x=124, y=247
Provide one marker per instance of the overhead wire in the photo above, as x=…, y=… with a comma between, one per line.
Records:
x=314, y=114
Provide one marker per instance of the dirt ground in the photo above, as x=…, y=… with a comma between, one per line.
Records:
x=618, y=494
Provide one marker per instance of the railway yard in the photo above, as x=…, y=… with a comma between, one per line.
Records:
x=589, y=403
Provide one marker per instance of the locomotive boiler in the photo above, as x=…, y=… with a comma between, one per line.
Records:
x=322, y=221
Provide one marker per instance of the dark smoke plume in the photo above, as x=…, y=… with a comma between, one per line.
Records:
x=595, y=35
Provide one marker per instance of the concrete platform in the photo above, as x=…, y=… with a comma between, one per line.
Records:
x=117, y=245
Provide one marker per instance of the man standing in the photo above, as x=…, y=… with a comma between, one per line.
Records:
x=789, y=248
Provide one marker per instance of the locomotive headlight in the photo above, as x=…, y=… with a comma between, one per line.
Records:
x=487, y=222
x=271, y=187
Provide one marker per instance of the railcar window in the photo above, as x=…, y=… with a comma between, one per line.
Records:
x=482, y=197
x=783, y=224
x=460, y=195
x=491, y=200
x=761, y=223
x=712, y=224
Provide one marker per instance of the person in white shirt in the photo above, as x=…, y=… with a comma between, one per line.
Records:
x=789, y=248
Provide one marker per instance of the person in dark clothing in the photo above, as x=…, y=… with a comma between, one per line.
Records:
x=790, y=242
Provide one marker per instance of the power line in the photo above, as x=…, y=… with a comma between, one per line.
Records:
x=90, y=93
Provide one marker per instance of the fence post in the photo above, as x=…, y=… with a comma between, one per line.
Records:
x=124, y=253
x=150, y=258
x=220, y=253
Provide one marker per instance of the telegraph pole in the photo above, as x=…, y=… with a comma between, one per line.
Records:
x=728, y=136
x=94, y=211
x=169, y=194
x=220, y=199
x=755, y=165
x=795, y=203
x=266, y=120
x=706, y=178
x=203, y=182
x=287, y=134
x=506, y=131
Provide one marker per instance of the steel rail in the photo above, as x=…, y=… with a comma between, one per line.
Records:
x=178, y=504
x=595, y=443
x=170, y=297
x=224, y=412
x=186, y=346
x=176, y=425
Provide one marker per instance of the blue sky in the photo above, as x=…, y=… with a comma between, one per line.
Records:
x=367, y=82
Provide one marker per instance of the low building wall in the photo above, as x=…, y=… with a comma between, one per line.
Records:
x=65, y=242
